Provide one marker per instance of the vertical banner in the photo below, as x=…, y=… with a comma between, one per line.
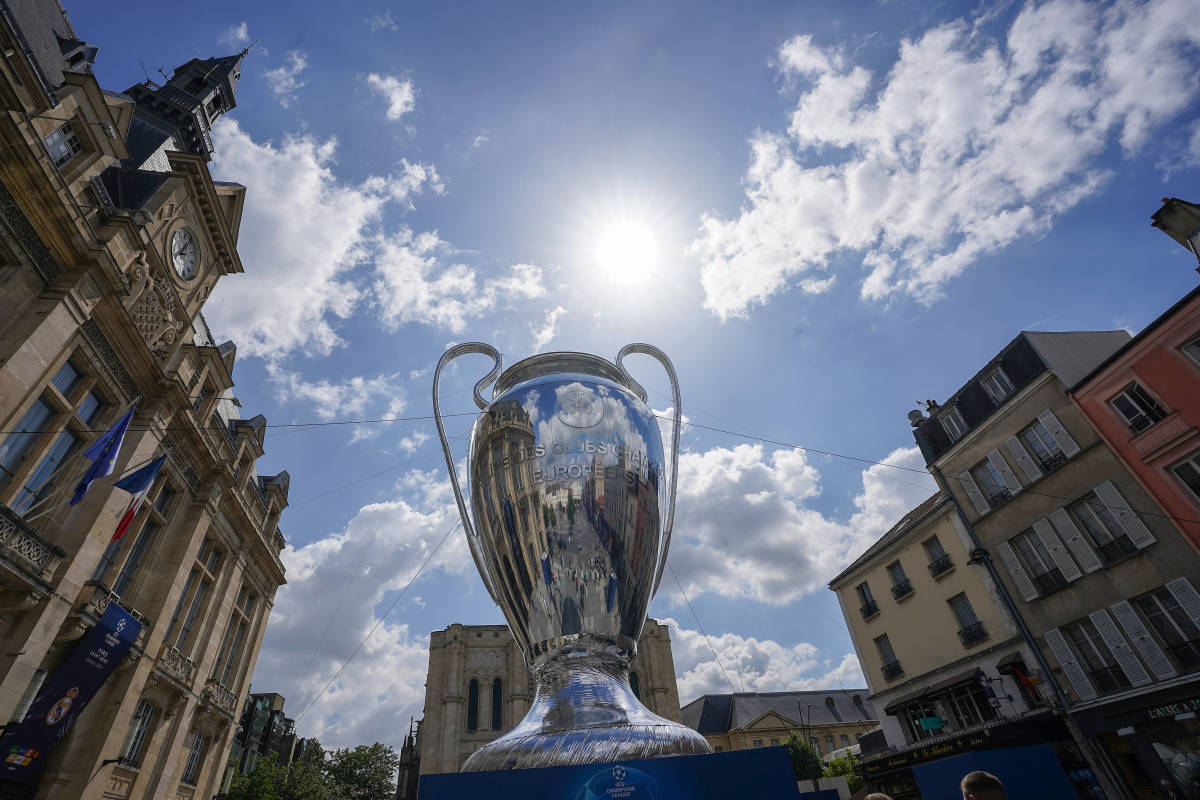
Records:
x=63, y=697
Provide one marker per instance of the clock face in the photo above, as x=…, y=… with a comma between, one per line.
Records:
x=185, y=253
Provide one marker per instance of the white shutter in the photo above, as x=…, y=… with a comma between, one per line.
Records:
x=1151, y=653
x=1062, y=559
x=1019, y=576
x=1056, y=429
x=1066, y=659
x=1023, y=459
x=1186, y=595
x=1120, y=648
x=1075, y=541
x=1009, y=478
x=1130, y=522
x=977, y=499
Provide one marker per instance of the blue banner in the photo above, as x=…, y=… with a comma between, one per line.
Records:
x=764, y=772
x=63, y=697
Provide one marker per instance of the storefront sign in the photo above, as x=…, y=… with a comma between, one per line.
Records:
x=1042, y=728
x=1172, y=709
x=63, y=697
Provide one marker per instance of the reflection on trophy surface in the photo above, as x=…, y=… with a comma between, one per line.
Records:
x=572, y=520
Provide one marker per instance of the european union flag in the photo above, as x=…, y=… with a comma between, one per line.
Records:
x=103, y=454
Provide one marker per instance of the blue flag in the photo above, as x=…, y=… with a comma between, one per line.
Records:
x=103, y=454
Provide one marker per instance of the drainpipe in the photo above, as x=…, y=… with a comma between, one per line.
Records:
x=980, y=555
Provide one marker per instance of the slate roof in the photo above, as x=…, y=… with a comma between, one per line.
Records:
x=895, y=532
x=721, y=713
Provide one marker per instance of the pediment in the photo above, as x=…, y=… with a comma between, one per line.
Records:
x=771, y=720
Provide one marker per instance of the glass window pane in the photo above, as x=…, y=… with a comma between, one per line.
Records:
x=88, y=407
x=1189, y=473
x=42, y=478
x=136, y=554
x=65, y=379
x=14, y=446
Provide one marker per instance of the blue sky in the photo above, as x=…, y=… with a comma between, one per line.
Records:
x=824, y=212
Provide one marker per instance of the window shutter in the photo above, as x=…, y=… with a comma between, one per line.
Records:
x=1066, y=659
x=1132, y=524
x=1019, y=576
x=1076, y=542
x=1023, y=459
x=1151, y=653
x=1062, y=559
x=1120, y=648
x=1186, y=595
x=977, y=498
x=1056, y=429
x=1009, y=477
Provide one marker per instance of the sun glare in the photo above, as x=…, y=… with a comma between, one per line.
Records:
x=626, y=250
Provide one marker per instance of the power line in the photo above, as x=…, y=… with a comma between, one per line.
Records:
x=700, y=625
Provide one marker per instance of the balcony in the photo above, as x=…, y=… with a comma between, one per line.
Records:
x=940, y=565
x=892, y=670
x=999, y=497
x=24, y=547
x=1116, y=549
x=1049, y=582
x=902, y=589
x=95, y=599
x=177, y=665
x=1109, y=679
x=869, y=610
x=1051, y=463
x=220, y=698
x=972, y=634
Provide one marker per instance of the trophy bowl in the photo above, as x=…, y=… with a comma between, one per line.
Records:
x=572, y=521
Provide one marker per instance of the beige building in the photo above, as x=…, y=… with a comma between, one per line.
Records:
x=478, y=687
x=112, y=236
x=831, y=721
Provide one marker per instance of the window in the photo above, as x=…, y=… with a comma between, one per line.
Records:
x=891, y=666
x=869, y=607
x=1189, y=473
x=1041, y=568
x=16, y=445
x=774, y=742
x=1043, y=446
x=191, y=771
x=939, y=561
x=497, y=705
x=815, y=744
x=998, y=386
x=914, y=713
x=989, y=481
x=829, y=743
x=969, y=704
x=143, y=717
x=758, y=742
x=37, y=486
x=1095, y=657
x=900, y=584
x=1102, y=527
x=1174, y=627
x=195, y=591
x=225, y=670
x=473, y=705
x=952, y=424
x=63, y=144
x=719, y=749
x=1139, y=409
x=845, y=740
x=154, y=519
x=1192, y=348
x=970, y=629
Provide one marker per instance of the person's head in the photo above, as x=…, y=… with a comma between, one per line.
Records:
x=878, y=796
x=982, y=785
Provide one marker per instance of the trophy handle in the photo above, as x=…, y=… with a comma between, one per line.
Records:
x=447, y=357
x=651, y=350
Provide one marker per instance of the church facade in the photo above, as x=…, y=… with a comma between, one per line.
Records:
x=478, y=687
x=112, y=236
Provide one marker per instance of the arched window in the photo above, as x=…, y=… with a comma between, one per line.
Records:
x=635, y=684
x=497, y=705
x=473, y=705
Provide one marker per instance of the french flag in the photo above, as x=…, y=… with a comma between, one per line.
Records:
x=138, y=484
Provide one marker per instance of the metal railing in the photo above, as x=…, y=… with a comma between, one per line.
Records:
x=902, y=589
x=891, y=670
x=1051, y=463
x=972, y=634
x=940, y=565
x=999, y=497
x=869, y=610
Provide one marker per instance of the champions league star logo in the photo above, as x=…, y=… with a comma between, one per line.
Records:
x=619, y=773
x=120, y=626
x=622, y=783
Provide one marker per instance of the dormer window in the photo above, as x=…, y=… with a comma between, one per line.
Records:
x=953, y=424
x=63, y=145
x=998, y=386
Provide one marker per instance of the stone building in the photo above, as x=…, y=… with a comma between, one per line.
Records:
x=112, y=236
x=829, y=720
x=478, y=687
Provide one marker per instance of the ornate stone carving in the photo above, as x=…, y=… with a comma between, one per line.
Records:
x=19, y=542
x=16, y=225
x=488, y=659
x=108, y=357
x=220, y=698
x=177, y=665
x=139, y=279
x=182, y=463
x=153, y=312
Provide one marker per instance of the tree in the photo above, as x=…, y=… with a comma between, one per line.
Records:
x=806, y=762
x=846, y=767
x=269, y=780
x=261, y=783
x=364, y=773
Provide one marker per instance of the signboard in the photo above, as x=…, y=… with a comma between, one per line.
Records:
x=1030, y=773
x=931, y=723
x=767, y=771
x=63, y=697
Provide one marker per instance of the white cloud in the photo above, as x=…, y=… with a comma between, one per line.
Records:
x=381, y=22
x=966, y=145
x=235, y=35
x=285, y=80
x=741, y=512
x=753, y=665
x=400, y=94
x=548, y=330
x=411, y=443
x=480, y=141
x=302, y=232
x=1194, y=145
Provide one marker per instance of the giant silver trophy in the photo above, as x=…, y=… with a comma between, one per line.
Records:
x=566, y=479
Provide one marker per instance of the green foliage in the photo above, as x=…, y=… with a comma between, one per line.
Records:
x=363, y=773
x=262, y=783
x=845, y=766
x=806, y=762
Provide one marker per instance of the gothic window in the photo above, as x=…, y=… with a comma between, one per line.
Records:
x=635, y=684
x=497, y=705
x=473, y=705
x=143, y=718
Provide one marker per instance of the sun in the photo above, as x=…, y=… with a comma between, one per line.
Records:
x=626, y=250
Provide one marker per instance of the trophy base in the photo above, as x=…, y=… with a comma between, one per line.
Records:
x=585, y=713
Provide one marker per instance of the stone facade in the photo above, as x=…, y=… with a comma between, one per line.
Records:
x=488, y=656
x=112, y=236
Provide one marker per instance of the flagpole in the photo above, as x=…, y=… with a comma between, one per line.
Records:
x=58, y=491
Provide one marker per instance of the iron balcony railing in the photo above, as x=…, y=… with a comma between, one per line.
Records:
x=891, y=670
x=998, y=497
x=1051, y=463
x=869, y=610
x=972, y=634
x=902, y=589
x=940, y=565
